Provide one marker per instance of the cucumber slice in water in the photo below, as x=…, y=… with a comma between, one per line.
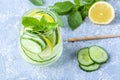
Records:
x=98, y=54
x=31, y=45
x=83, y=57
x=45, y=54
x=32, y=56
x=58, y=37
x=42, y=41
x=29, y=57
x=51, y=35
x=35, y=37
x=34, y=59
x=90, y=68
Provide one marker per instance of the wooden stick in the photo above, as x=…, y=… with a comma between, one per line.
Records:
x=93, y=37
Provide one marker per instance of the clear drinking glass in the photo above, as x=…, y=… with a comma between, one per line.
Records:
x=41, y=48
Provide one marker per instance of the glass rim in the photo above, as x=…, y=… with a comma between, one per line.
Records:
x=42, y=9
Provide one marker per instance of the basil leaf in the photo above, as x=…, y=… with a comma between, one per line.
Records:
x=43, y=21
x=30, y=22
x=33, y=24
x=98, y=0
x=50, y=26
x=46, y=26
x=77, y=2
x=36, y=2
x=74, y=19
x=63, y=7
x=84, y=14
x=85, y=2
x=84, y=11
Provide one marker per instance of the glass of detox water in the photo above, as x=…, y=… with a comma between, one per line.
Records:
x=41, y=47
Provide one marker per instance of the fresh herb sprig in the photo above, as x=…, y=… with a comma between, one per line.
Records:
x=33, y=24
x=63, y=7
x=37, y=2
x=76, y=11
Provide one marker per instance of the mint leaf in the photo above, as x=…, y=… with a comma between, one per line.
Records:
x=37, y=2
x=85, y=2
x=74, y=19
x=84, y=11
x=50, y=26
x=33, y=24
x=77, y=2
x=30, y=22
x=47, y=25
x=63, y=7
x=43, y=21
x=98, y=0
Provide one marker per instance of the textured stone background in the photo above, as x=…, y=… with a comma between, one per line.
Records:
x=13, y=66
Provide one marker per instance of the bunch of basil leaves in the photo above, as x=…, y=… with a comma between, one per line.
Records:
x=76, y=11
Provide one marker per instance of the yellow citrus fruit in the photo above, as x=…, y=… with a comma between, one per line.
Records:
x=48, y=17
x=39, y=15
x=49, y=43
x=101, y=13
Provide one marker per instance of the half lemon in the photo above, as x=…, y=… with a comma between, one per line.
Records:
x=101, y=13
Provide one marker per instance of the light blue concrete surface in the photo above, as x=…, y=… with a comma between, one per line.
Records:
x=13, y=66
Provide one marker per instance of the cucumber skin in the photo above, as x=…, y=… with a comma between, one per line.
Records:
x=90, y=70
x=89, y=55
x=101, y=48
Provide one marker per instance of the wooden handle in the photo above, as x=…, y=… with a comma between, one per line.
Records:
x=93, y=37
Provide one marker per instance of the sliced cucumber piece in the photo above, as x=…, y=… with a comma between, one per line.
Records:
x=52, y=37
x=98, y=54
x=36, y=38
x=45, y=54
x=32, y=56
x=90, y=68
x=31, y=45
x=58, y=37
x=83, y=57
x=36, y=59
